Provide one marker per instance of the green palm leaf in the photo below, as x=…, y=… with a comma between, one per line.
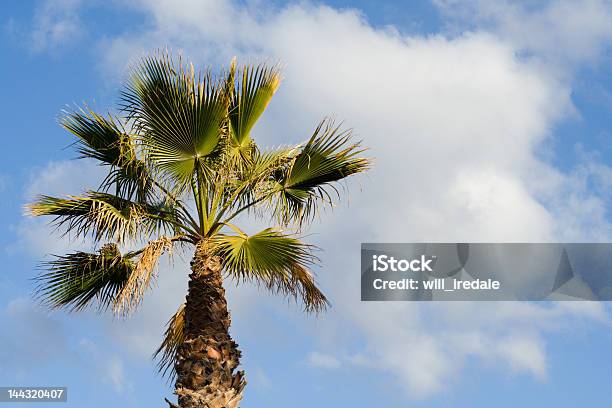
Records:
x=105, y=216
x=250, y=99
x=74, y=280
x=278, y=261
x=179, y=116
x=105, y=140
x=100, y=138
x=326, y=158
x=256, y=178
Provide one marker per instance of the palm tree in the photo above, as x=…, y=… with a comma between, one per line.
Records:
x=182, y=169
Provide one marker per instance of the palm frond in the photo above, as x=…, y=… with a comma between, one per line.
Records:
x=310, y=178
x=278, y=261
x=132, y=293
x=250, y=99
x=74, y=280
x=104, y=139
x=257, y=177
x=131, y=181
x=179, y=116
x=173, y=338
x=99, y=138
x=103, y=215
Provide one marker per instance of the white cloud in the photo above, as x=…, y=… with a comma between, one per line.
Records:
x=115, y=373
x=33, y=337
x=62, y=178
x=524, y=354
x=453, y=123
x=25, y=325
x=260, y=380
x=55, y=23
x=561, y=31
x=109, y=368
x=322, y=360
x=58, y=179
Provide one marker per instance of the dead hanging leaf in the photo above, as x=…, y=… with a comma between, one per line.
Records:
x=173, y=338
x=139, y=281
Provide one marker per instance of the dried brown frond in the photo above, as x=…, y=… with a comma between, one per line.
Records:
x=144, y=272
x=173, y=338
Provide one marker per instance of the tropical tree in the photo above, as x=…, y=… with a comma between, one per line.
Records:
x=182, y=170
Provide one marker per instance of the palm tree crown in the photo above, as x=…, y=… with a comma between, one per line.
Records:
x=182, y=169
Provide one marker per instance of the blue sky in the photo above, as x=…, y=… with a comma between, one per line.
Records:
x=488, y=122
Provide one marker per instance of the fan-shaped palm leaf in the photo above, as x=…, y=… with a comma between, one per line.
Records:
x=256, y=180
x=308, y=180
x=250, y=99
x=105, y=216
x=278, y=261
x=100, y=138
x=105, y=140
x=180, y=117
x=76, y=279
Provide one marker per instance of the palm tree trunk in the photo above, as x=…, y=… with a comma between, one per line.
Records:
x=208, y=357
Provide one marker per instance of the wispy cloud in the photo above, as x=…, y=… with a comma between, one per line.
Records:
x=322, y=360
x=110, y=368
x=55, y=23
x=559, y=31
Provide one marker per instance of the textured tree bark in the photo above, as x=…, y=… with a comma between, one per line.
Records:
x=207, y=359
